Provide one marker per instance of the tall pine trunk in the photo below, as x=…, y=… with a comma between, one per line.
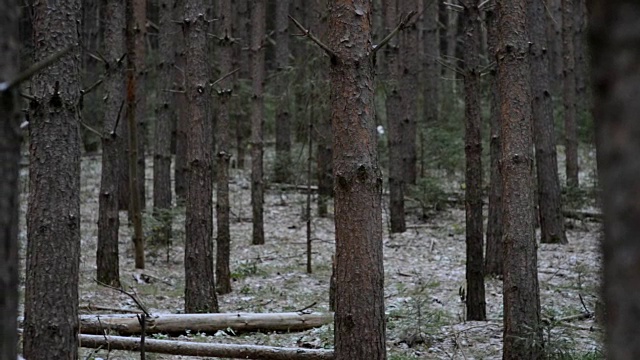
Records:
x=359, y=317
x=107, y=257
x=569, y=93
x=200, y=290
x=283, y=121
x=53, y=215
x=522, y=327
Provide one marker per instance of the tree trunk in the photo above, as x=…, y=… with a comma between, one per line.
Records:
x=583, y=96
x=200, y=291
x=494, y=253
x=617, y=98
x=549, y=202
x=452, y=44
x=397, y=175
x=522, y=328
x=408, y=77
x=569, y=91
x=180, y=101
x=189, y=348
x=223, y=242
x=210, y=323
x=53, y=214
x=10, y=139
x=107, y=257
x=283, y=122
x=475, y=299
x=162, y=129
x=432, y=67
x=135, y=207
x=258, y=21
x=359, y=319
x=553, y=12
x=243, y=34
x=140, y=15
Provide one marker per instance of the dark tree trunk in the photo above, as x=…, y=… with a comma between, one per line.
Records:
x=569, y=93
x=397, y=170
x=162, y=129
x=258, y=21
x=408, y=77
x=10, y=139
x=583, y=96
x=494, y=254
x=140, y=15
x=107, y=259
x=53, y=214
x=180, y=101
x=359, y=317
x=616, y=82
x=475, y=299
x=135, y=206
x=223, y=272
x=90, y=72
x=432, y=67
x=553, y=12
x=522, y=331
x=243, y=34
x=200, y=291
x=549, y=202
x=283, y=121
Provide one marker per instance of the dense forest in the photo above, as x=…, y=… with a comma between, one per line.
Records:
x=291, y=179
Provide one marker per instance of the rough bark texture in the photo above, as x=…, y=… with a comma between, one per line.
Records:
x=359, y=318
x=180, y=101
x=258, y=23
x=140, y=15
x=283, y=121
x=397, y=179
x=200, y=291
x=135, y=207
x=53, y=214
x=409, y=89
x=475, y=299
x=223, y=241
x=494, y=255
x=522, y=331
x=107, y=259
x=10, y=139
x=614, y=38
x=549, y=201
x=569, y=93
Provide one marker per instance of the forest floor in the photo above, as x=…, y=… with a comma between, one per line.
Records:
x=424, y=272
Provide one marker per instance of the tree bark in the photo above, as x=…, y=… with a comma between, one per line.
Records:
x=210, y=323
x=140, y=15
x=135, y=206
x=431, y=89
x=223, y=241
x=107, y=256
x=549, y=201
x=180, y=101
x=10, y=139
x=494, y=253
x=187, y=348
x=53, y=214
x=200, y=291
x=409, y=89
x=162, y=130
x=553, y=12
x=283, y=121
x=397, y=178
x=569, y=94
x=616, y=82
x=359, y=318
x=475, y=299
x=258, y=23
x=522, y=330
x=243, y=33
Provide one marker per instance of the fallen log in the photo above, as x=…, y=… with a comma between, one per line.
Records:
x=186, y=348
x=127, y=324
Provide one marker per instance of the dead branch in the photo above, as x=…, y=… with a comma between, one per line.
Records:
x=35, y=68
x=403, y=24
x=308, y=34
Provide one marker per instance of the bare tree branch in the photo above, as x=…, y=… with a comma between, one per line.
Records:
x=308, y=34
x=403, y=24
x=35, y=68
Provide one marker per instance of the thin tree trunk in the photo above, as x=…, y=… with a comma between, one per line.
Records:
x=549, y=201
x=569, y=91
x=475, y=299
x=53, y=214
x=583, y=98
x=617, y=98
x=494, y=253
x=223, y=242
x=243, y=33
x=258, y=22
x=522, y=331
x=200, y=290
x=359, y=318
x=140, y=15
x=409, y=89
x=452, y=45
x=283, y=121
x=553, y=12
x=397, y=178
x=107, y=256
x=10, y=139
x=432, y=67
x=135, y=207
x=180, y=101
